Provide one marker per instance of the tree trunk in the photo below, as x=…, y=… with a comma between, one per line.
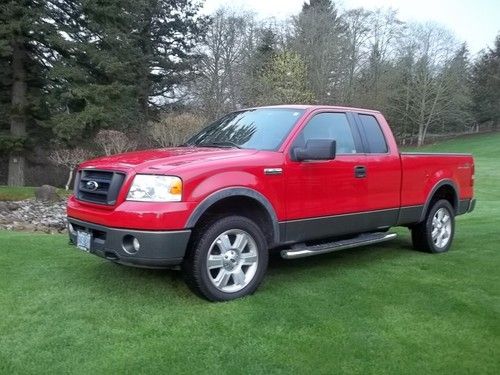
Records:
x=420, y=139
x=18, y=117
x=70, y=177
x=144, y=84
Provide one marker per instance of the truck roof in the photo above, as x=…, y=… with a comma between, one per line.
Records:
x=318, y=106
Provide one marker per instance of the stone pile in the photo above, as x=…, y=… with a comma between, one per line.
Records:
x=47, y=215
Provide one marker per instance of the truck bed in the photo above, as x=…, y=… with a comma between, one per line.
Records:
x=422, y=171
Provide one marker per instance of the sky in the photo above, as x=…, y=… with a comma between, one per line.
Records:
x=475, y=22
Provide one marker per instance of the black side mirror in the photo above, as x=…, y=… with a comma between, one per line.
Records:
x=316, y=149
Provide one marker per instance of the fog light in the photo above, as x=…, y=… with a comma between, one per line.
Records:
x=135, y=244
x=131, y=245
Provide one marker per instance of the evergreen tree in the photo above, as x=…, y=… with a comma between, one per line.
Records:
x=486, y=86
x=95, y=82
x=261, y=57
x=319, y=40
x=26, y=33
x=318, y=5
x=167, y=31
x=266, y=48
x=124, y=59
x=285, y=81
x=457, y=104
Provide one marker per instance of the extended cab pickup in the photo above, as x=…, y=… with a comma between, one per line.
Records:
x=301, y=180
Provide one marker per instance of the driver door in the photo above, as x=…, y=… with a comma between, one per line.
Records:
x=318, y=190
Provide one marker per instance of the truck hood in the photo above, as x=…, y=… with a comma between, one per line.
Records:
x=162, y=160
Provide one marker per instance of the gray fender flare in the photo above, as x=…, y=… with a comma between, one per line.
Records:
x=440, y=184
x=235, y=192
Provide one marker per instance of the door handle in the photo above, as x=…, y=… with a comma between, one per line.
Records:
x=360, y=171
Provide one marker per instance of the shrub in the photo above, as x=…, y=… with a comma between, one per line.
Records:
x=174, y=128
x=114, y=142
x=69, y=158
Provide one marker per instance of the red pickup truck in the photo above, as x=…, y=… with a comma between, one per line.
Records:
x=299, y=180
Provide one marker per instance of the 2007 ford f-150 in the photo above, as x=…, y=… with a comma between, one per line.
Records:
x=302, y=180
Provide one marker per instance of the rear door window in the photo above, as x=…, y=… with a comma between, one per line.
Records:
x=373, y=134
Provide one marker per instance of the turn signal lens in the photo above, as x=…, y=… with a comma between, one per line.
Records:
x=176, y=187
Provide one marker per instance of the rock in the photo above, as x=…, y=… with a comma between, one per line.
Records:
x=47, y=193
x=13, y=206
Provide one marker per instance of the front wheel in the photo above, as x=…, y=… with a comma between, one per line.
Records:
x=435, y=233
x=228, y=259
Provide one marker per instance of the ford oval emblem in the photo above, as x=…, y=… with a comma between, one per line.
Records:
x=91, y=185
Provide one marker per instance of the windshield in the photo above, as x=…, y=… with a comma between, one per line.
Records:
x=260, y=129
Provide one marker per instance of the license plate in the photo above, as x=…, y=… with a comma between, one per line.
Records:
x=83, y=241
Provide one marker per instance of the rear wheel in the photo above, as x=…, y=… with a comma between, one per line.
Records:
x=228, y=259
x=435, y=233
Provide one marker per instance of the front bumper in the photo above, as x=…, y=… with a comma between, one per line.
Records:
x=158, y=249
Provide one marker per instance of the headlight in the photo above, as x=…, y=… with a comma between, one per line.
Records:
x=153, y=188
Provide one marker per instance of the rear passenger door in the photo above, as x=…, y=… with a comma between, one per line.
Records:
x=382, y=184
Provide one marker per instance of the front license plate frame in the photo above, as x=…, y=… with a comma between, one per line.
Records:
x=83, y=241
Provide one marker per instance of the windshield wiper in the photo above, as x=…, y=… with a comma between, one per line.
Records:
x=219, y=144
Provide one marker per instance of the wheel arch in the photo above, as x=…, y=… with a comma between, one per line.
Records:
x=226, y=198
x=445, y=189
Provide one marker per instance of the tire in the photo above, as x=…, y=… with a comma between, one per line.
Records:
x=435, y=234
x=227, y=260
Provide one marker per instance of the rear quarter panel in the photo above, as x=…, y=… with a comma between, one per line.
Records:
x=422, y=172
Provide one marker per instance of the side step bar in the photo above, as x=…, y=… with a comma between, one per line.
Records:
x=301, y=250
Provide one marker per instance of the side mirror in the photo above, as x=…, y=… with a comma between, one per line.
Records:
x=316, y=149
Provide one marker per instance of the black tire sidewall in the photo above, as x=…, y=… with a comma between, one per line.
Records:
x=202, y=247
x=428, y=226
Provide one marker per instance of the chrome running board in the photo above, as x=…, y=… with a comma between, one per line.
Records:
x=302, y=251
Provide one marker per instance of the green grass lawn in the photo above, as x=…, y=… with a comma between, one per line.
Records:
x=382, y=309
x=17, y=193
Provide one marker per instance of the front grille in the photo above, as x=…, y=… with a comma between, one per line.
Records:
x=100, y=187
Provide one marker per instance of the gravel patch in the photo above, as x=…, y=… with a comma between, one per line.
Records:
x=32, y=215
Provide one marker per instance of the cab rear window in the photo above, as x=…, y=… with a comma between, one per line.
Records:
x=373, y=134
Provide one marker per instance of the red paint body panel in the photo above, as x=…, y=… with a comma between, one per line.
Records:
x=422, y=172
x=382, y=189
x=134, y=215
x=303, y=190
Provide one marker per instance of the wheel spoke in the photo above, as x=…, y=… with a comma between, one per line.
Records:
x=222, y=278
x=434, y=232
x=240, y=242
x=442, y=239
x=435, y=222
x=247, y=259
x=215, y=261
x=224, y=243
x=239, y=277
x=440, y=214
